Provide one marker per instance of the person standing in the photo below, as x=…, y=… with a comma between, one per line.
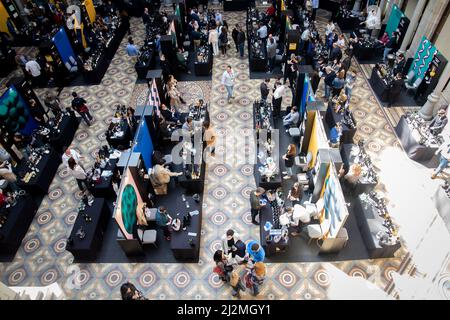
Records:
x=129, y=292
x=241, y=41
x=277, y=99
x=213, y=39
x=223, y=267
x=237, y=284
x=295, y=195
x=264, y=88
x=71, y=153
x=439, y=122
x=234, y=35
x=228, y=81
x=34, y=69
x=271, y=53
x=262, y=35
x=255, y=252
x=53, y=104
x=289, y=158
x=132, y=50
x=79, y=174
x=210, y=137
x=79, y=105
x=315, y=7
x=444, y=150
x=255, y=203
x=390, y=46
x=7, y=174
x=164, y=220
x=350, y=82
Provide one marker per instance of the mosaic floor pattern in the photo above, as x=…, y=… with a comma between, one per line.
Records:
x=42, y=258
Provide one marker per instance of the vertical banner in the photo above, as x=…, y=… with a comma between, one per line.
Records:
x=3, y=18
x=90, y=9
x=313, y=145
x=63, y=46
x=394, y=20
x=423, y=58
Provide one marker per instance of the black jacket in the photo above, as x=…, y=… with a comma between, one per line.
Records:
x=241, y=37
x=264, y=90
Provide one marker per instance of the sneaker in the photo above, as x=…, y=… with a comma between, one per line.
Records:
x=255, y=223
x=287, y=177
x=285, y=173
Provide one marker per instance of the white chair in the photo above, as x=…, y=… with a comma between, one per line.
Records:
x=147, y=237
x=414, y=86
x=300, y=214
x=150, y=214
x=314, y=232
x=410, y=77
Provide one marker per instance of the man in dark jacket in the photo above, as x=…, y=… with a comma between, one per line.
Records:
x=79, y=105
x=241, y=41
x=264, y=88
x=336, y=53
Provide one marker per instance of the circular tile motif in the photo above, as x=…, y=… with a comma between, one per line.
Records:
x=114, y=278
x=245, y=192
x=107, y=82
x=366, y=129
x=147, y=279
x=31, y=245
x=82, y=136
x=245, y=116
x=322, y=278
x=49, y=276
x=55, y=194
x=16, y=277
x=374, y=147
x=247, y=218
x=44, y=218
x=307, y=296
x=215, y=281
x=60, y=246
x=82, y=277
x=288, y=279
x=70, y=218
x=182, y=279
x=388, y=271
x=357, y=272
x=219, y=193
x=218, y=218
x=220, y=170
x=359, y=114
x=222, y=116
x=101, y=94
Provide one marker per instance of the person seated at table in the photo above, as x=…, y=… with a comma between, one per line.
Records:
x=335, y=135
x=395, y=89
x=295, y=195
x=170, y=115
x=182, y=61
x=164, y=220
x=255, y=252
x=188, y=126
x=291, y=119
x=160, y=177
x=439, y=122
x=6, y=173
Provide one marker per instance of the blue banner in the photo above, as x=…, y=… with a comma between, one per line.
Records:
x=64, y=47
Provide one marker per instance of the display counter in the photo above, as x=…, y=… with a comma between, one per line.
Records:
x=370, y=224
x=348, y=131
x=185, y=244
x=104, y=187
x=86, y=249
x=412, y=147
x=67, y=128
x=367, y=52
x=120, y=140
x=40, y=182
x=203, y=62
x=270, y=247
x=236, y=5
x=19, y=218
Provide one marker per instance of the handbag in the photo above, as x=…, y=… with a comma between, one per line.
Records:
x=218, y=270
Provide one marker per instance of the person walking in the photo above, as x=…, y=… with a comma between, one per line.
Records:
x=223, y=41
x=255, y=203
x=132, y=50
x=228, y=81
x=213, y=40
x=444, y=150
x=241, y=41
x=79, y=105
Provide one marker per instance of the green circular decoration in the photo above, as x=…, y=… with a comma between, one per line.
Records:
x=22, y=122
x=13, y=93
x=129, y=205
x=3, y=111
x=13, y=113
x=20, y=105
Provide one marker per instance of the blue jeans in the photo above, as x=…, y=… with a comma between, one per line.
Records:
x=327, y=91
x=348, y=92
x=271, y=63
x=386, y=52
x=241, y=49
x=229, y=91
x=443, y=164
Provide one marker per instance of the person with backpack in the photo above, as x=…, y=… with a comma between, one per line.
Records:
x=79, y=105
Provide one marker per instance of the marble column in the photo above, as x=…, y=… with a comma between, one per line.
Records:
x=428, y=108
x=382, y=7
x=428, y=24
x=413, y=24
x=388, y=11
x=357, y=6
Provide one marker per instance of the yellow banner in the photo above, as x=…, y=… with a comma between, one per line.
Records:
x=313, y=146
x=89, y=5
x=3, y=18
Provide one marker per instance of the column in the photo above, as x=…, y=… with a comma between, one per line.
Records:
x=388, y=11
x=430, y=20
x=357, y=6
x=413, y=24
x=382, y=7
x=427, y=110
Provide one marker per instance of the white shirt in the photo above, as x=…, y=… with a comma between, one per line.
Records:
x=73, y=154
x=228, y=78
x=341, y=43
x=262, y=32
x=279, y=92
x=330, y=28
x=33, y=67
x=79, y=173
x=306, y=34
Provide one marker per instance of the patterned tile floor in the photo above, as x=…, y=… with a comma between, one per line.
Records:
x=42, y=258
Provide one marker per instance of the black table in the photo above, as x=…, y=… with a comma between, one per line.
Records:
x=364, y=185
x=68, y=127
x=348, y=23
x=257, y=64
x=364, y=53
x=379, y=86
x=86, y=249
x=16, y=226
x=413, y=149
x=146, y=62
x=204, y=68
x=104, y=188
x=332, y=117
x=442, y=202
x=48, y=166
x=370, y=223
x=272, y=247
x=236, y=5
x=123, y=142
x=184, y=246
x=192, y=186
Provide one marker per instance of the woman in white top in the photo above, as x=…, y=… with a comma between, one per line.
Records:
x=71, y=153
x=213, y=39
x=330, y=28
x=79, y=174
